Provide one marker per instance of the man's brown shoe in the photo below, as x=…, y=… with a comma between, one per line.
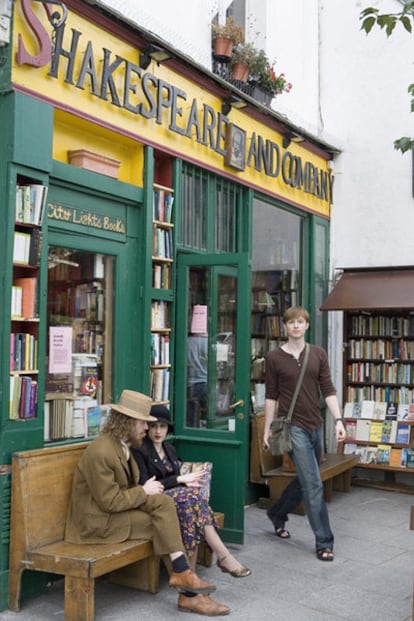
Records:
x=203, y=605
x=189, y=581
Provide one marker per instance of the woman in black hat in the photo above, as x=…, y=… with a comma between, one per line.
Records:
x=157, y=458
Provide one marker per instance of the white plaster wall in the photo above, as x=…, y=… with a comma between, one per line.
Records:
x=185, y=24
x=364, y=107
x=292, y=34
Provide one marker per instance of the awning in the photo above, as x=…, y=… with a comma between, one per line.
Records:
x=372, y=289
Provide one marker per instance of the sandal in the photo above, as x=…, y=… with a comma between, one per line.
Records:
x=325, y=554
x=282, y=533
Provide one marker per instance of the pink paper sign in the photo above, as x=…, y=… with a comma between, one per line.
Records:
x=199, y=319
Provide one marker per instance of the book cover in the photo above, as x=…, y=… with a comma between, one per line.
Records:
x=93, y=419
x=380, y=410
x=395, y=457
x=367, y=408
x=362, y=430
x=350, y=448
x=383, y=454
x=402, y=411
x=403, y=458
x=89, y=380
x=356, y=411
x=403, y=433
x=348, y=410
x=200, y=466
x=21, y=247
x=35, y=247
x=350, y=429
x=410, y=457
x=375, y=431
x=28, y=286
x=389, y=431
x=391, y=413
x=371, y=455
x=410, y=415
x=361, y=451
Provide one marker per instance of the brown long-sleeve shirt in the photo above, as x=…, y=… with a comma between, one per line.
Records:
x=282, y=373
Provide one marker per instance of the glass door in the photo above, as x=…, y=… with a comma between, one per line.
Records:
x=212, y=376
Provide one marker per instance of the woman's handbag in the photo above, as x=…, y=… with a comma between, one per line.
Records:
x=280, y=441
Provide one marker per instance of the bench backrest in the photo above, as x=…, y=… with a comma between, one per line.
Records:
x=41, y=489
x=261, y=461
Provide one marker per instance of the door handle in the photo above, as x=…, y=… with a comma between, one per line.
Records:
x=237, y=403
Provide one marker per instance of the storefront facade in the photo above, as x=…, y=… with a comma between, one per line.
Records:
x=203, y=223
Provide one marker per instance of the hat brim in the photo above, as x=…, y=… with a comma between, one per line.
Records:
x=163, y=421
x=132, y=413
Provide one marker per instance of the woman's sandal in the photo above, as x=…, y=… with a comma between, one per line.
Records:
x=282, y=533
x=325, y=554
x=242, y=572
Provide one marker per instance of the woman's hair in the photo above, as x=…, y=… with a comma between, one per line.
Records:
x=294, y=312
x=118, y=425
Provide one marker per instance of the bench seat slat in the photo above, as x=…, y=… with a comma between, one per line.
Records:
x=86, y=561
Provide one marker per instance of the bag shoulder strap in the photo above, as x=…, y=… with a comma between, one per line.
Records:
x=299, y=384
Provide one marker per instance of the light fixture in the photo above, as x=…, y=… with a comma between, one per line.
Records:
x=232, y=102
x=153, y=52
x=291, y=136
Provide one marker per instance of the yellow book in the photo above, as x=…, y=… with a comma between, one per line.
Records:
x=375, y=432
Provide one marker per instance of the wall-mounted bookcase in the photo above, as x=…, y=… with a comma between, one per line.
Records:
x=24, y=333
x=379, y=393
x=162, y=295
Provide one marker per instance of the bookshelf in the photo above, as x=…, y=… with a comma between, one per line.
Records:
x=162, y=295
x=273, y=291
x=30, y=203
x=379, y=393
x=79, y=322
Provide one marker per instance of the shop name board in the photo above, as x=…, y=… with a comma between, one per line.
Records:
x=85, y=218
x=124, y=84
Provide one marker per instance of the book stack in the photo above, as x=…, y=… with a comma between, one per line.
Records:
x=30, y=203
x=23, y=397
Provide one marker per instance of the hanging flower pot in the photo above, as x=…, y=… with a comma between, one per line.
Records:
x=240, y=71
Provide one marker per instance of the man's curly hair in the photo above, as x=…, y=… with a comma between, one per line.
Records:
x=119, y=425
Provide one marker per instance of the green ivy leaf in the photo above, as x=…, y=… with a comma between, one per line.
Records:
x=404, y=144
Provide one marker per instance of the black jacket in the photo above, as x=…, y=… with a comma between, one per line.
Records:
x=150, y=464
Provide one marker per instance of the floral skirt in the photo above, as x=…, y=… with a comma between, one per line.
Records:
x=194, y=513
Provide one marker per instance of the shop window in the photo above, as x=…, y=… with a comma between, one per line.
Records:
x=276, y=284
x=79, y=350
x=209, y=212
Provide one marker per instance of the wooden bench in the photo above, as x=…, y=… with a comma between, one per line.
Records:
x=41, y=488
x=267, y=469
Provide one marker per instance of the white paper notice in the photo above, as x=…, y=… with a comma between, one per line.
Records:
x=60, y=349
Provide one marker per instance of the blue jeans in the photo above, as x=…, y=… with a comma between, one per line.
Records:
x=307, y=486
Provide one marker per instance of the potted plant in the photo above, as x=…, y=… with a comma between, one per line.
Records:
x=266, y=83
x=225, y=37
x=244, y=61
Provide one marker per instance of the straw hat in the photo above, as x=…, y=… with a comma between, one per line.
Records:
x=135, y=405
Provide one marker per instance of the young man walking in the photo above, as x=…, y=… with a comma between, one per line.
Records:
x=282, y=371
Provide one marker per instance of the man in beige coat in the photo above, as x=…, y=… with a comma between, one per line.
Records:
x=108, y=505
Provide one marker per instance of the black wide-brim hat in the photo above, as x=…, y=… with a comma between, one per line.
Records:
x=162, y=414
